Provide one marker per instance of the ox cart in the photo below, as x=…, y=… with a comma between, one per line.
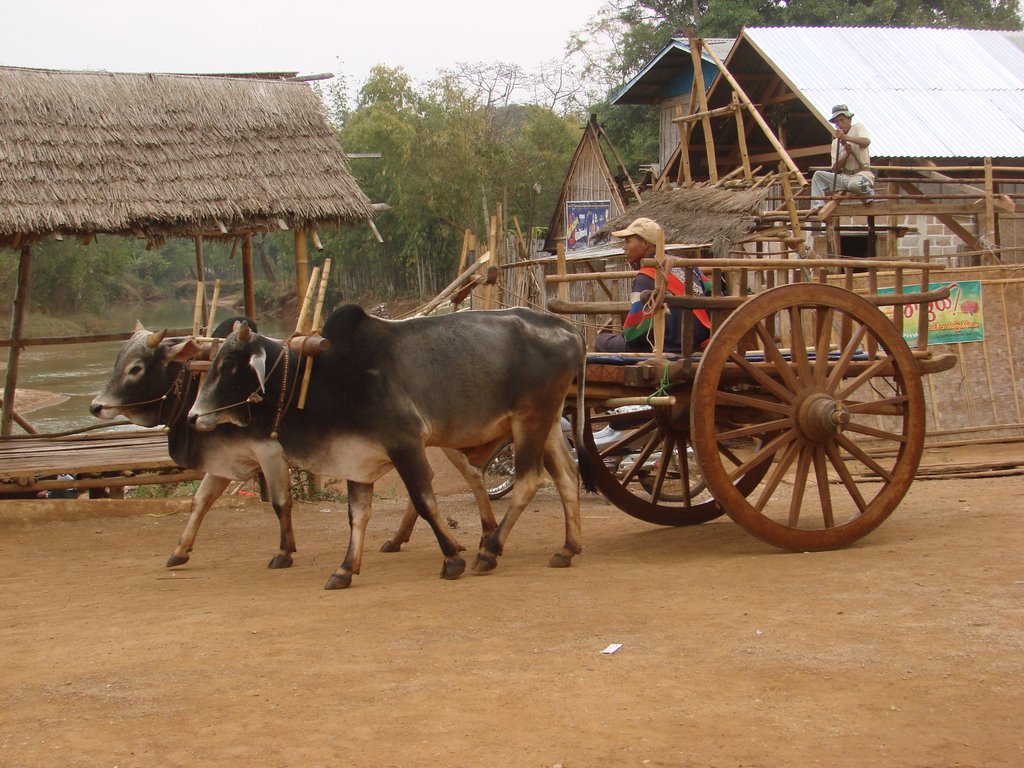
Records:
x=803, y=418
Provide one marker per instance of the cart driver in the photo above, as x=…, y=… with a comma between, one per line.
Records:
x=638, y=327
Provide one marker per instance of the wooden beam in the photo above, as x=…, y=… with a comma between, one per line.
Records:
x=741, y=138
x=248, y=283
x=698, y=80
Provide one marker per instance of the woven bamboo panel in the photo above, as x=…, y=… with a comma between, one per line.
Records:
x=984, y=395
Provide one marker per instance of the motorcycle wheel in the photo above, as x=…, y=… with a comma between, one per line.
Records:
x=500, y=471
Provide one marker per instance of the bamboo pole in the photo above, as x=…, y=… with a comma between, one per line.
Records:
x=562, y=272
x=315, y=327
x=660, y=288
x=464, y=253
x=302, y=275
x=201, y=276
x=213, y=306
x=991, y=236
x=198, y=308
x=741, y=138
x=698, y=79
x=307, y=302
x=7, y=413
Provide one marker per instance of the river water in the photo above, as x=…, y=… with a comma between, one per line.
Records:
x=80, y=371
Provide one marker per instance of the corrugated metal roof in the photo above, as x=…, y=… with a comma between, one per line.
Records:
x=920, y=92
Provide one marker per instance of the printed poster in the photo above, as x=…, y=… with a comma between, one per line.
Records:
x=583, y=220
x=955, y=320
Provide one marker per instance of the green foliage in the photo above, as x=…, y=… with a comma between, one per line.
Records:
x=449, y=153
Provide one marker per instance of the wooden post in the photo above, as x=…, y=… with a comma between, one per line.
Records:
x=698, y=84
x=492, y=247
x=563, y=287
x=248, y=287
x=301, y=263
x=990, y=212
x=199, y=309
x=660, y=289
x=14, y=354
x=464, y=253
x=201, y=276
x=794, y=217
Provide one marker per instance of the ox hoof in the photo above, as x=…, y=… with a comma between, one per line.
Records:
x=339, y=581
x=453, y=568
x=280, y=561
x=485, y=563
x=559, y=560
x=391, y=546
x=175, y=560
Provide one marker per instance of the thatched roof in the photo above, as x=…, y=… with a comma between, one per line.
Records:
x=698, y=215
x=166, y=155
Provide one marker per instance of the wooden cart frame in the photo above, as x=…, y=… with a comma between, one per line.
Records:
x=803, y=419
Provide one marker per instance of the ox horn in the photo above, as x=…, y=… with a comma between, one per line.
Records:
x=244, y=333
x=156, y=338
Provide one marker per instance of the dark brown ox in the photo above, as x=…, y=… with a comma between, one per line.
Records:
x=386, y=390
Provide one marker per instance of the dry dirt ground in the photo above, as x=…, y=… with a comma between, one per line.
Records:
x=906, y=649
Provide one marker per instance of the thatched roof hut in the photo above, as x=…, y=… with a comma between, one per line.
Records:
x=698, y=215
x=159, y=155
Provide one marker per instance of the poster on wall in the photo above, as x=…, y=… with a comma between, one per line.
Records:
x=954, y=320
x=583, y=219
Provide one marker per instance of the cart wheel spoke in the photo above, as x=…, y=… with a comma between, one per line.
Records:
x=824, y=493
x=798, y=347
x=823, y=344
x=800, y=484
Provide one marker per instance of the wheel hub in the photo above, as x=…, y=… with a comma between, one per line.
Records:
x=820, y=417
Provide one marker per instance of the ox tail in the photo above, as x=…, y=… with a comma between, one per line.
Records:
x=583, y=458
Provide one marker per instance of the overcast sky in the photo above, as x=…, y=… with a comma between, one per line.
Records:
x=309, y=36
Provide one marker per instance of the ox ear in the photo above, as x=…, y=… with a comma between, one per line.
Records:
x=138, y=326
x=244, y=332
x=183, y=351
x=258, y=362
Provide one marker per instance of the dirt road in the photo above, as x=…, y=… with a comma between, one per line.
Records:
x=906, y=649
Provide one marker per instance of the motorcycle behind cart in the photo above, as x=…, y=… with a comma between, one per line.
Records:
x=803, y=419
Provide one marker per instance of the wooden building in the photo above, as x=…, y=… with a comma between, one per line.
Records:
x=591, y=194
x=668, y=81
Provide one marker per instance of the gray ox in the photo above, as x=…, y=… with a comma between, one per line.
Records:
x=151, y=386
x=385, y=390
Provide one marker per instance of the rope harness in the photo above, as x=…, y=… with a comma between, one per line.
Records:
x=283, y=399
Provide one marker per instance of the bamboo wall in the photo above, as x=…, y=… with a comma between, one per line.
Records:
x=983, y=397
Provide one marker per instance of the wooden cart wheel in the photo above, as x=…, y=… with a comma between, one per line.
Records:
x=843, y=428
x=631, y=472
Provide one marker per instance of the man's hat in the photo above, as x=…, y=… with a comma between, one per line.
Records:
x=645, y=228
x=840, y=110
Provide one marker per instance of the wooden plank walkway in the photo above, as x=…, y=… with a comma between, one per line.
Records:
x=97, y=460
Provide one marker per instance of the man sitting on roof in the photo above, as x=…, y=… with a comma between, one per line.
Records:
x=638, y=327
x=851, y=161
